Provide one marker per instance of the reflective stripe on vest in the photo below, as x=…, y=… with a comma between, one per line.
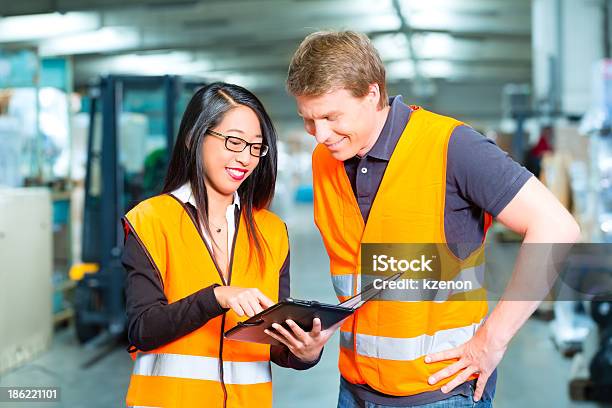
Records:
x=343, y=285
x=406, y=349
x=202, y=368
x=141, y=406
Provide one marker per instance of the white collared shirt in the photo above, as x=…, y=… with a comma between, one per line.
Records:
x=185, y=195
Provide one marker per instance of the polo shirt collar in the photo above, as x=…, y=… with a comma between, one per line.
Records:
x=185, y=194
x=392, y=130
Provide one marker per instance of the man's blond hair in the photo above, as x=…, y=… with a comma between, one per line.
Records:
x=330, y=60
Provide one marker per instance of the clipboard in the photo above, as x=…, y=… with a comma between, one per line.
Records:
x=302, y=312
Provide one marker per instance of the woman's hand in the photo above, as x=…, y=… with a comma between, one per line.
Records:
x=243, y=301
x=306, y=346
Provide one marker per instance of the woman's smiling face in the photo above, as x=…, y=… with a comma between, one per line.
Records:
x=226, y=170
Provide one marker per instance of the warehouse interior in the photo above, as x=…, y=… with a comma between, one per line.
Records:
x=91, y=96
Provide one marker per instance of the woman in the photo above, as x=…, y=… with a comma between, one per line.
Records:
x=206, y=254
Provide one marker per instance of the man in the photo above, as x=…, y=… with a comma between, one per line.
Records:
x=385, y=172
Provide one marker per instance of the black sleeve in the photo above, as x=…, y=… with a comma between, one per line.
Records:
x=280, y=355
x=484, y=174
x=152, y=322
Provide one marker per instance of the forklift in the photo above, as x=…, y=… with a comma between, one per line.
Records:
x=132, y=125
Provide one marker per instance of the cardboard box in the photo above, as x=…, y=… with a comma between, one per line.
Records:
x=554, y=174
x=569, y=141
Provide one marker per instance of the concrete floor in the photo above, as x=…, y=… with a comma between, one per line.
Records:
x=532, y=373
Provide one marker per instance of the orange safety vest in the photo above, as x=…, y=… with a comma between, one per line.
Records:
x=203, y=368
x=384, y=343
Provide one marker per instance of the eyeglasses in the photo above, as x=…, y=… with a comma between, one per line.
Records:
x=236, y=144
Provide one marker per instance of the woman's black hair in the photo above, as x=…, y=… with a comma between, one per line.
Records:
x=206, y=110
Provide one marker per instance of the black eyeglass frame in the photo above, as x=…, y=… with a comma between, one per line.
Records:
x=264, y=148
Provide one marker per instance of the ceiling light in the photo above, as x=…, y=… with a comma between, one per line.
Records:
x=40, y=26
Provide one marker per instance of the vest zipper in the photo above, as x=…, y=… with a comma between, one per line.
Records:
x=356, y=207
x=229, y=278
x=229, y=281
x=221, y=362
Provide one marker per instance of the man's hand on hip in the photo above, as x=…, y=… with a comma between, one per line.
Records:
x=476, y=356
